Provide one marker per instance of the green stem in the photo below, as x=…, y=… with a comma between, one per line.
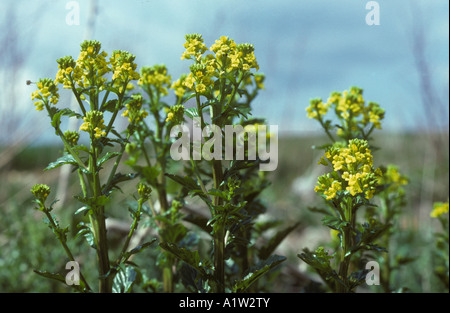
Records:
x=346, y=246
x=98, y=223
x=325, y=128
x=133, y=228
x=219, y=233
x=63, y=243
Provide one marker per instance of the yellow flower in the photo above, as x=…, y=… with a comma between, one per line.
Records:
x=93, y=124
x=41, y=192
x=134, y=110
x=72, y=137
x=88, y=70
x=352, y=170
x=176, y=114
x=123, y=67
x=179, y=87
x=392, y=178
x=199, y=79
x=439, y=208
x=194, y=47
x=155, y=77
x=317, y=109
x=47, y=92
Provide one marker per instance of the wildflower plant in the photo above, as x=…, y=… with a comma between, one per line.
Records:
x=223, y=85
x=349, y=189
x=99, y=86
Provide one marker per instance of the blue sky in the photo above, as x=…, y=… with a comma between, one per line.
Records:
x=307, y=49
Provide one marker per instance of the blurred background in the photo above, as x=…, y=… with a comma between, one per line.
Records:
x=306, y=49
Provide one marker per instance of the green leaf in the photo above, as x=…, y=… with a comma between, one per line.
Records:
x=334, y=222
x=256, y=272
x=117, y=178
x=83, y=209
x=173, y=233
x=54, y=276
x=138, y=249
x=124, y=279
x=273, y=243
x=218, y=193
x=319, y=260
x=65, y=159
x=106, y=157
x=186, y=181
x=192, y=258
x=237, y=165
x=93, y=202
x=109, y=105
x=56, y=119
x=191, y=112
x=87, y=233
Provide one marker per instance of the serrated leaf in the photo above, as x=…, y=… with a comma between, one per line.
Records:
x=106, y=157
x=65, y=159
x=186, y=181
x=191, y=112
x=93, y=201
x=139, y=248
x=54, y=276
x=256, y=272
x=192, y=258
x=124, y=279
x=87, y=233
x=333, y=222
x=110, y=105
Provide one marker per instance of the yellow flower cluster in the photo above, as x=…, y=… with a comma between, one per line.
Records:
x=244, y=57
x=317, y=108
x=47, y=92
x=352, y=170
x=155, y=77
x=65, y=68
x=93, y=124
x=176, y=114
x=179, y=87
x=72, y=137
x=351, y=104
x=144, y=191
x=41, y=192
x=91, y=66
x=199, y=78
x=231, y=56
x=259, y=80
x=134, y=110
x=195, y=47
x=227, y=57
x=123, y=67
x=350, y=107
x=392, y=178
x=439, y=208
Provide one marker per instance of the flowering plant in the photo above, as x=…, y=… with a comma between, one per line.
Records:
x=93, y=79
x=349, y=188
